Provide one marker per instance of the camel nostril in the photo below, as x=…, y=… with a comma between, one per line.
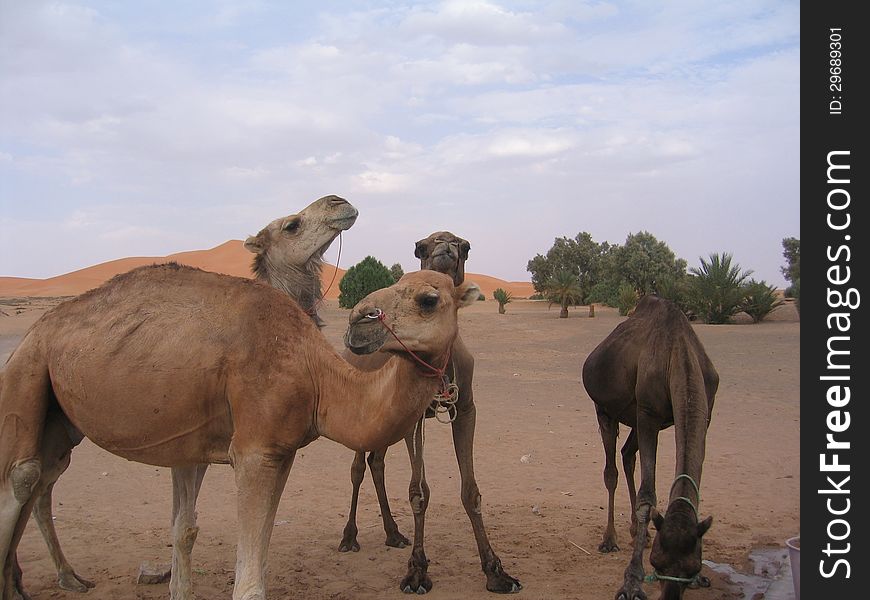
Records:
x=336, y=201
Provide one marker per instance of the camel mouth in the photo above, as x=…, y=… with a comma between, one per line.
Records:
x=346, y=221
x=365, y=337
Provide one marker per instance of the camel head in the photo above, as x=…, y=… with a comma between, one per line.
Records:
x=444, y=252
x=300, y=239
x=420, y=309
x=676, y=549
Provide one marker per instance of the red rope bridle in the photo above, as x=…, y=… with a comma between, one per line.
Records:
x=448, y=394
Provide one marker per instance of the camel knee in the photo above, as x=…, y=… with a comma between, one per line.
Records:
x=24, y=478
x=186, y=538
x=611, y=477
x=471, y=500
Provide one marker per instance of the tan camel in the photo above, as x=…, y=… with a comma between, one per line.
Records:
x=288, y=256
x=446, y=253
x=650, y=373
x=173, y=366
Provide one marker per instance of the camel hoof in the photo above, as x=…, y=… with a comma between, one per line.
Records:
x=349, y=546
x=503, y=583
x=73, y=583
x=397, y=540
x=416, y=583
x=608, y=546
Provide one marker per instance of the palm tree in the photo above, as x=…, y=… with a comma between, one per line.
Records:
x=760, y=300
x=564, y=288
x=718, y=288
x=502, y=297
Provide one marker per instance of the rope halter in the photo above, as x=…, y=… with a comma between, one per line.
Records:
x=445, y=398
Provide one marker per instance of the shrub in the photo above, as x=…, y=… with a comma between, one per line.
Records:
x=717, y=289
x=362, y=279
x=397, y=271
x=760, y=300
x=626, y=299
x=502, y=297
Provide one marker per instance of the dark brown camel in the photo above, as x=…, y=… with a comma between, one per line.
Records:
x=446, y=253
x=650, y=373
x=174, y=366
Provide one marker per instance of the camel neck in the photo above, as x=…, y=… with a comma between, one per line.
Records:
x=300, y=283
x=691, y=435
x=369, y=410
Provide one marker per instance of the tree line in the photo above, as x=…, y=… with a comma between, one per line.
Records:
x=581, y=271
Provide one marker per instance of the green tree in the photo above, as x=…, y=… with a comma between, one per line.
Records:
x=563, y=289
x=791, y=251
x=579, y=256
x=626, y=299
x=646, y=263
x=717, y=288
x=362, y=279
x=503, y=298
x=760, y=300
x=396, y=271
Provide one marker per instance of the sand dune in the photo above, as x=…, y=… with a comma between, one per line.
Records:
x=229, y=258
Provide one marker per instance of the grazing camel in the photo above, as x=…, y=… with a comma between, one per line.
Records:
x=289, y=257
x=446, y=253
x=172, y=366
x=650, y=373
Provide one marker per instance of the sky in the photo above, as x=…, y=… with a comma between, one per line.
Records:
x=148, y=128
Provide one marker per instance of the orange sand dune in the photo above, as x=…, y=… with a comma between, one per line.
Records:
x=229, y=258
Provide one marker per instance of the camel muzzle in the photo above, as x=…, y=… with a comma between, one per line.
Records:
x=365, y=335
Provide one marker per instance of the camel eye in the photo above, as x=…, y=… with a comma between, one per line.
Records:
x=292, y=225
x=428, y=301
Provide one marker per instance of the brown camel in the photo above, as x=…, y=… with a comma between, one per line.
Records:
x=650, y=373
x=446, y=253
x=173, y=366
x=289, y=256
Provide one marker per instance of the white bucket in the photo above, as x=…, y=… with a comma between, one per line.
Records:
x=794, y=556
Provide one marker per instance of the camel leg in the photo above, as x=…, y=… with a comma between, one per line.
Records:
x=56, y=449
x=376, y=465
x=24, y=400
x=463, y=443
x=417, y=579
x=184, y=530
x=629, y=457
x=646, y=499
x=260, y=479
x=609, y=430
x=67, y=578
x=357, y=474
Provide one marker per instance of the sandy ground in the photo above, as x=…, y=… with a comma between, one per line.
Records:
x=112, y=514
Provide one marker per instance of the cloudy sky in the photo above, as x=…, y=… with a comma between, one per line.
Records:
x=153, y=127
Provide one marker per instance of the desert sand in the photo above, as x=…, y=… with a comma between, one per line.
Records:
x=545, y=515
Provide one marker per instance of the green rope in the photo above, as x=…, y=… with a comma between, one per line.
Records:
x=689, y=502
x=653, y=577
x=692, y=481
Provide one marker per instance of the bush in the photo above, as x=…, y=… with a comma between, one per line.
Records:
x=717, y=289
x=397, y=272
x=362, y=279
x=502, y=297
x=626, y=299
x=760, y=300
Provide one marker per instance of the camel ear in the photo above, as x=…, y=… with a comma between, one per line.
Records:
x=467, y=293
x=420, y=249
x=657, y=518
x=464, y=247
x=704, y=525
x=255, y=244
